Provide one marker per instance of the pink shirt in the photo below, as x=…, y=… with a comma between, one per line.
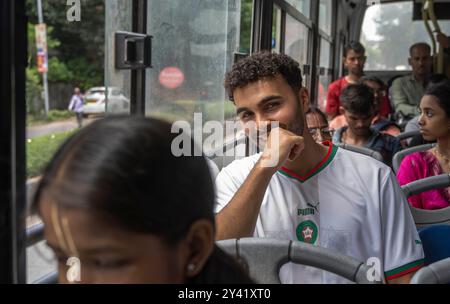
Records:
x=417, y=166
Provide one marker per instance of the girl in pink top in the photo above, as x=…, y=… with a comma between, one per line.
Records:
x=434, y=123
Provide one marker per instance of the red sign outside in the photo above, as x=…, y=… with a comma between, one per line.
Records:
x=171, y=77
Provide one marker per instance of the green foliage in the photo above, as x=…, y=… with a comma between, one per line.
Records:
x=33, y=90
x=53, y=115
x=58, y=114
x=85, y=74
x=41, y=149
x=76, y=49
x=58, y=71
x=246, y=24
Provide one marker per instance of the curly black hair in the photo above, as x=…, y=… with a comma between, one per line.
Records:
x=260, y=65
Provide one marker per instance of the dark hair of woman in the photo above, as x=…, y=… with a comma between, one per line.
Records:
x=441, y=91
x=123, y=170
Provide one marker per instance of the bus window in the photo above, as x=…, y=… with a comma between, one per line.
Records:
x=296, y=40
x=324, y=75
x=276, y=29
x=79, y=70
x=303, y=6
x=388, y=29
x=325, y=16
x=192, y=49
x=114, y=78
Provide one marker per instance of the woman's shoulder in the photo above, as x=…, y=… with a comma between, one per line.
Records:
x=417, y=162
x=422, y=156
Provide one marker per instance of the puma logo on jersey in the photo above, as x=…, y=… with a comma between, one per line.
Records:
x=312, y=209
x=315, y=207
x=305, y=211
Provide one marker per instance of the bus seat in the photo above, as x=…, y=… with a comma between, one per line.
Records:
x=263, y=258
x=406, y=135
x=424, y=217
x=436, y=273
x=361, y=150
x=398, y=157
x=435, y=242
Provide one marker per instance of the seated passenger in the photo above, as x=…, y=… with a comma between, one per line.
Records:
x=413, y=124
x=359, y=110
x=318, y=125
x=317, y=194
x=379, y=90
x=116, y=198
x=434, y=123
x=380, y=122
x=407, y=91
x=354, y=59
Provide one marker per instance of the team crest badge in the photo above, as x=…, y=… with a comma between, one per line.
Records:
x=307, y=232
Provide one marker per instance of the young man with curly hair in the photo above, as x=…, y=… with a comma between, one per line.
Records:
x=319, y=194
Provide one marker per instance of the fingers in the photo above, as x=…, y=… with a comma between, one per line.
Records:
x=297, y=148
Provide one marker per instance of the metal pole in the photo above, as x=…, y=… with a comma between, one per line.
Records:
x=44, y=75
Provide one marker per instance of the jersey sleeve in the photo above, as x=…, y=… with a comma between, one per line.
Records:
x=402, y=248
x=226, y=187
x=230, y=179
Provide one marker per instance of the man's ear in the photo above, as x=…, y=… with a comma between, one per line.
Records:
x=200, y=242
x=341, y=110
x=304, y=99
x=409, y=61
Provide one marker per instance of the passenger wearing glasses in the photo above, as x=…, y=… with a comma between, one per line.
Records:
x=318, y=125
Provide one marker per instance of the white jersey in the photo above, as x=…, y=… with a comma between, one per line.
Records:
x=349, y=203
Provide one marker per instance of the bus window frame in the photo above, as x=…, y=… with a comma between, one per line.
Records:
x=315, y=34
x=13, y=117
